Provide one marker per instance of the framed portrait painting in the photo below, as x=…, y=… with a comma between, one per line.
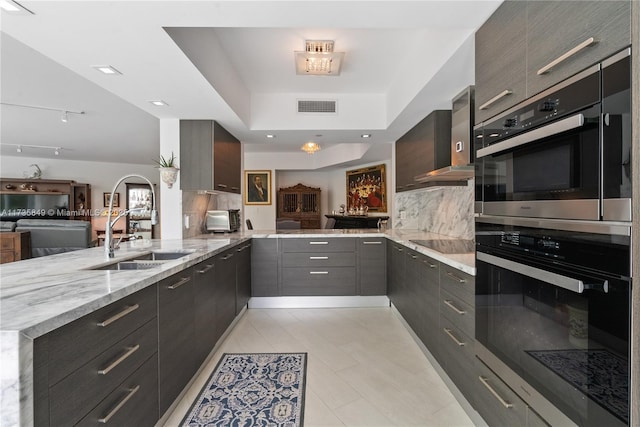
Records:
x=257, y=187
x=366, y=187
x=116, y=199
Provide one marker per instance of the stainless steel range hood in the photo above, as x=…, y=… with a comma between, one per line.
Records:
x=461, y=168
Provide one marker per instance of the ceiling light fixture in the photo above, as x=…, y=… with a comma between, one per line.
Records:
x=310, y=147
x=159, y=103
x=57, y=151
x=319, y=59
x=14, y=7
x=21, y=147
x=107, y=69
x=64, y=114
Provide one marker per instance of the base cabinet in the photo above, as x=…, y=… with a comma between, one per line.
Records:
x=372, y=266
x=205, y=316
x=243, y=276
x=264, y=267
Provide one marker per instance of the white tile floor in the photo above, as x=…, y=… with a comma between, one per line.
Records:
x=364, y=369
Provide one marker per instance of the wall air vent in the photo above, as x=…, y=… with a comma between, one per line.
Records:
x=317, y=106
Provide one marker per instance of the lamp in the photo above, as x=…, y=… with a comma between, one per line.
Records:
x=310, y=147
x=318, y=59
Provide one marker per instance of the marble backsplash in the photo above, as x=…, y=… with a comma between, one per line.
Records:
x=443, y=210
x=195, y=205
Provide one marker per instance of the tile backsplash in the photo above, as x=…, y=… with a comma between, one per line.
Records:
x=443, y=210
x=195, y=205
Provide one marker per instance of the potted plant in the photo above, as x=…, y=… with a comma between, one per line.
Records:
x=168, y=169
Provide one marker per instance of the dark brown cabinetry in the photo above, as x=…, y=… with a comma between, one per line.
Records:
x=426, y=147
x=300, y=203
x=15, y=246
x=210, y=157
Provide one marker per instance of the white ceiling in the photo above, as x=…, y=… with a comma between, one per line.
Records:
x=231, y=61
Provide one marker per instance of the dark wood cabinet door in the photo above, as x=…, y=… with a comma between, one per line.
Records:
x=226, y=160
x=205, y=306
x=264, y=267
x=196, y=155
x=243, y=276
x=372, y=266
x=225, y=298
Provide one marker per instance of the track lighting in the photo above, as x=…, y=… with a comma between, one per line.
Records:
x=57, y=151
x=65, y=117
x=64, y=114
x=19, y=149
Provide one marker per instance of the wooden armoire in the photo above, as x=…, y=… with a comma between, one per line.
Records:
x=300, y=203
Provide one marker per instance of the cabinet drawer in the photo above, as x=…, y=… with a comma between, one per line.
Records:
x=319, y=281
x=458, y=283
x=461, y=314
x=133, y=403
x=7, y=256
x=457, y=355
x=78, y=393
x=319, y=259
x=75, y=344
x=6, y=243
x=319, y=245
x=496, y=402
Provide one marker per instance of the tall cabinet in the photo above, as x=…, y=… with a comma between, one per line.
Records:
x=300, y=203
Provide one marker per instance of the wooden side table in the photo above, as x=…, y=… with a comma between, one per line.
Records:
x=15, y=246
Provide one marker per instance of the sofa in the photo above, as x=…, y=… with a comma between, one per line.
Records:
x=53, y=236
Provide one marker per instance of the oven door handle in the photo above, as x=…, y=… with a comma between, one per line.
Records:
x=569, y=283
x=560, y=126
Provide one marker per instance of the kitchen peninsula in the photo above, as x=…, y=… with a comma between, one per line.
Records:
x=67, y=287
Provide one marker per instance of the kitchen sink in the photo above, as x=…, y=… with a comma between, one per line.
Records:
x=163, y=255
x=145, y=261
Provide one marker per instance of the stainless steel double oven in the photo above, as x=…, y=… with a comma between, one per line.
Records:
x=553, y=247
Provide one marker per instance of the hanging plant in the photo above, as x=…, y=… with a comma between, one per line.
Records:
x=167, y=162
x=168, y=169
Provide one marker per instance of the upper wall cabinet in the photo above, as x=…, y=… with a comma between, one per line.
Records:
x=210, y=157
x=426, y=147
x=526, y=47
x=501, y=60
x=565, y=37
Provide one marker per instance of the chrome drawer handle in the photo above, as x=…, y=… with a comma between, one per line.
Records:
x=454, y=308
x=204, y=270
x=566, y=55
x=226, y=257
x=120, y=404
x=119, y=360
x=372, y=243
x=222, y=186
x=453, y=337
x=485, y=382
x=180, y=283
x=318, y=272
x=120, y=315
x=429, y=264
x=495, y=99
x=234, y=188
x=454, y=277
x=318, y=257
x=318, y=243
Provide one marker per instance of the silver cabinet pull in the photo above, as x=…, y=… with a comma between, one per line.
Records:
x=179, y=283
x=204, y=270
x=120, y=404
x=456, y=278
x=566, y=55
x=453, y=337
x=318, y=243
x=495, y=99
x=120, y=315
x=377, y=242
x=222, y=186
x=318, y=257
x=234, y=188
x=318, y=272
x=454, y=308
x=554, y=128
x=485, y=382
x=119, y=360
x=226, y=257
x=429, y=264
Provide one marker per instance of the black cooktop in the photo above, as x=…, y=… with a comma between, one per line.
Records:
x=445, y=246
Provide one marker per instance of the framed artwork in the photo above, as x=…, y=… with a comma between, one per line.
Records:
x=116, y=199
x=367, y=187
x=257, y=187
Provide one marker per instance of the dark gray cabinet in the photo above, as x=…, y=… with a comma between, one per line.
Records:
x=204, y=308
x=210, y=157
x=572, y=35
x=500, y=60
x=372, y=266
x=424, y=148
x=429, y=294
x=225, y=297
x=396, y=273
x=80, y=368
x=243, y=275
x=264, y=267
x=176, y=325
x=495, y=401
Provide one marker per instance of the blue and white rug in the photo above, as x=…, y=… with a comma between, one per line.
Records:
x=600, y=374
x=252, y=389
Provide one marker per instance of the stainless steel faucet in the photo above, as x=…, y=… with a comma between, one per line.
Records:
x=109, y=246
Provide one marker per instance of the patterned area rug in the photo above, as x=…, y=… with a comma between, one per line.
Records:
x=600, y=374
x=252, y=389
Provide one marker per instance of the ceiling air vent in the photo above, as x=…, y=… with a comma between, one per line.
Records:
x=317, y=106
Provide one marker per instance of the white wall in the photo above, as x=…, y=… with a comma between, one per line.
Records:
x=171, y=219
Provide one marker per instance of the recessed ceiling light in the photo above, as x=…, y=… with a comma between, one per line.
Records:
x=365, y=135
x=159, y=103
x=14, y=7
x=270, y=136
x=107, y=69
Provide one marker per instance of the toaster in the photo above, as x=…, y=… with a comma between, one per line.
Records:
x=223, y=221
